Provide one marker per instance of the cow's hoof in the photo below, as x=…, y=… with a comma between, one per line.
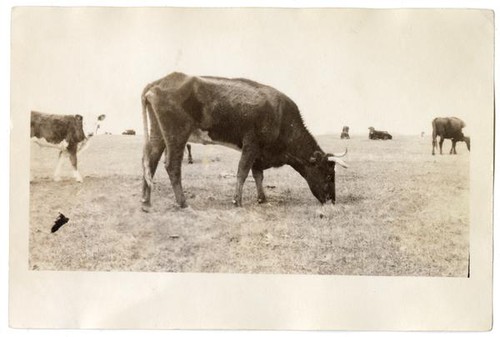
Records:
x=262, y=200
x=190, y=161
x=236, y=203
x=146, y=207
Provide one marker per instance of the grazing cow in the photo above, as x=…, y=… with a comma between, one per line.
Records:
x=261, y=122
x=345, y=133
x=448, y=128
x=64, y=132
x=375, y=134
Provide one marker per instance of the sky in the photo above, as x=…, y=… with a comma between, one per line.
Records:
x=394, y=70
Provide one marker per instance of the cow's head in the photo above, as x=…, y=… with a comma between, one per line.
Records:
x=91, y=128
x=467, y=142
x=320, y=175
x=77, y=130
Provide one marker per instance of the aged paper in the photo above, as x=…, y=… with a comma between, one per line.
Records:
x=390, y=69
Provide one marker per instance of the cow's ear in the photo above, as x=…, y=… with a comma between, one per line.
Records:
x=78, y=117
x=316, y=158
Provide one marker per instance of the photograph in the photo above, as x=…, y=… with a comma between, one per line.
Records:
x=296, y=115
x=263, y=141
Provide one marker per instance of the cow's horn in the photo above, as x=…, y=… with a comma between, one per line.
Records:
x=337, y=154
x=338, y=161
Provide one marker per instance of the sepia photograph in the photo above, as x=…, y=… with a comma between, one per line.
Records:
x=274, y=187
x=298, y=142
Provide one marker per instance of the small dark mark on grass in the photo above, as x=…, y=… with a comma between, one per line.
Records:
x=61, y=220
x=234, y=239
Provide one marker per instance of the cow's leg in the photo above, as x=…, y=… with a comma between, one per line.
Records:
x=173, y=164
x=57, y=173
x=72, y=157
x=441, y=140
x=434, y=145
x=175, y=127
x=154, y=148
x=190, y=158
x=248, y=154
x=453, y=149
x=258, y=175
x=175, y=133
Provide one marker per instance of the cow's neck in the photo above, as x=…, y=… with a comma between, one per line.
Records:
x=300, y=149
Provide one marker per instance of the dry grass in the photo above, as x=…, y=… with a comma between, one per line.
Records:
x=400, y=211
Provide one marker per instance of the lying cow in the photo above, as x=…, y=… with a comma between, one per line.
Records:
x=448, y=128
x=375, y=134
x=258, y=120
x=63, y=132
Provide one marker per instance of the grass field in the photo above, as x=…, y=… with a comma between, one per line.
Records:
x=399, y=211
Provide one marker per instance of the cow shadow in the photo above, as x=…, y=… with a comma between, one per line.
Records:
x=203, y=198
x=350, y=199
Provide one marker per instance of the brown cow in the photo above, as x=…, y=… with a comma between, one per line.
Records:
x=448, y=128
x=376, y=134
x=261, y=122
x=345, y=133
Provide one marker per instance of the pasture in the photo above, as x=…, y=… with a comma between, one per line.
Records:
x=400, y=211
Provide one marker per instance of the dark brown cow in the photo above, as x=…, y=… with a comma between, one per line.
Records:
x=376, y=134
x=64, y=132
x=345, y=133
x=448, y=128
x=261, y=122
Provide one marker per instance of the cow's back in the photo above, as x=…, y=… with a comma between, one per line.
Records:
x=226, y=108
x=447, y=127
x=53, y=128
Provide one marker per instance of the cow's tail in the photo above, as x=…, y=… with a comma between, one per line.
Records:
x=146, y=149
x=434, y=129
x=434, y=135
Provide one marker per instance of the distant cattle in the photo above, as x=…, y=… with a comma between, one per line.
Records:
x=64, y=132
x=129, y=132
x=345, y=133
x=261, y=122
x=375, y=134
x=448, y=128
